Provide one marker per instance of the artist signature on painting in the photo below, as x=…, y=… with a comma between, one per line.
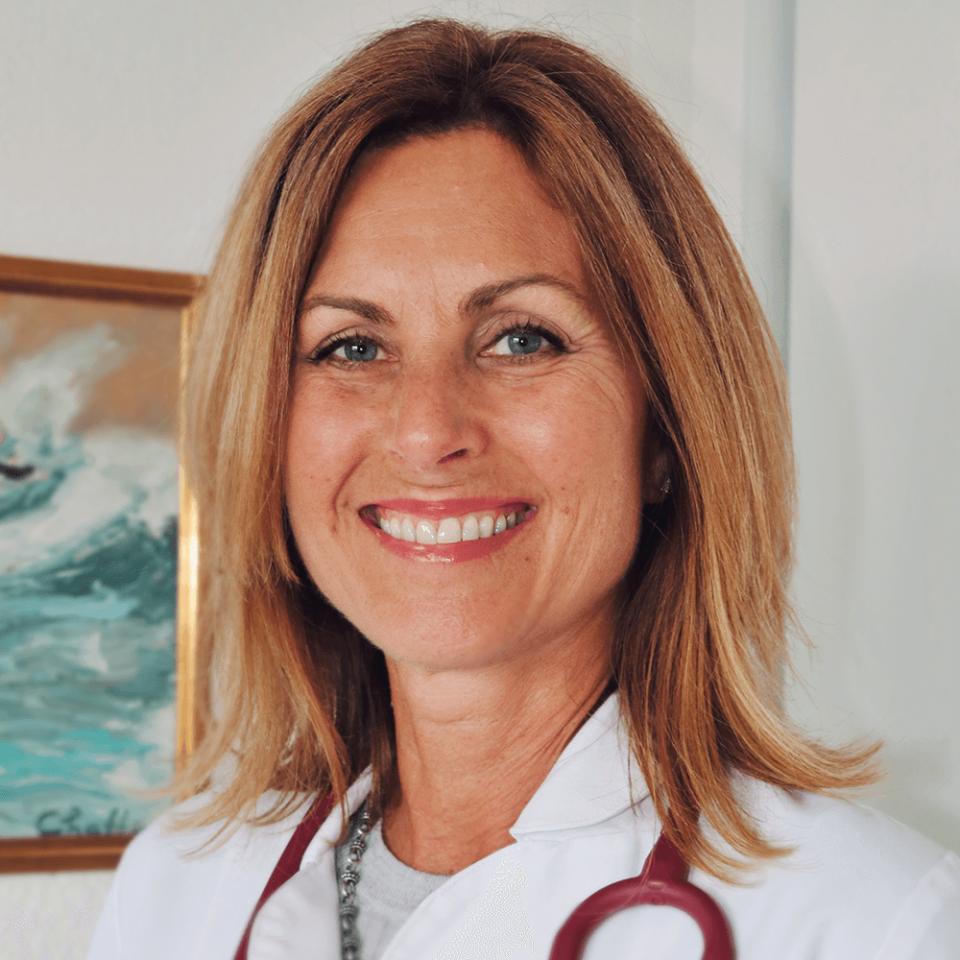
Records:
x=73, y=822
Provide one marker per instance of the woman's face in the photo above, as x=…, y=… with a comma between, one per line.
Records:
x=419, y=400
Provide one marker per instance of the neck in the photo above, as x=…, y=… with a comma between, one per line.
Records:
x=472, y=748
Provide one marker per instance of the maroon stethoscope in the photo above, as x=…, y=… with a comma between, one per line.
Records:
x=661, y=882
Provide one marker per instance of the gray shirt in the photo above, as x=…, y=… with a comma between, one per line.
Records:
x=387, y=893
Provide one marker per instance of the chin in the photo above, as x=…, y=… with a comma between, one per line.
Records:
x=442, y=650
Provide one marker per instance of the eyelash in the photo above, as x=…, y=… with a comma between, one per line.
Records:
x=325, y=351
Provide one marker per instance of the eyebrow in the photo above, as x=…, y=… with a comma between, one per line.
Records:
x=475, y=302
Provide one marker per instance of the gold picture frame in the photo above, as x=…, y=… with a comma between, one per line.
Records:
x=74, y=283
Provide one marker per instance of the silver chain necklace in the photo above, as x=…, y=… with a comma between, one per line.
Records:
x=347, y=888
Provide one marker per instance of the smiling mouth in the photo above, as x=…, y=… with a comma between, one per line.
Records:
x=477, y=525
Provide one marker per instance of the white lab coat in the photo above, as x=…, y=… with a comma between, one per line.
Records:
x=860, y=885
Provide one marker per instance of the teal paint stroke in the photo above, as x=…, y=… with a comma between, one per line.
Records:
x=87, y=603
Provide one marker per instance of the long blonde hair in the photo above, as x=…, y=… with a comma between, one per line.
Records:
x=701, y=641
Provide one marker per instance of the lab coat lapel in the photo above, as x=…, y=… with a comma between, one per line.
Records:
x=302, y=917
x=245, y=864
x=595, y=778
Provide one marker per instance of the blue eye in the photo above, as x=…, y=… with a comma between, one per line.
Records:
x=358, y=349
x=355, y=350
x=524, y=340
x=520, y=342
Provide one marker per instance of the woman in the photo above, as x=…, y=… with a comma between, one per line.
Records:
x=491, y=447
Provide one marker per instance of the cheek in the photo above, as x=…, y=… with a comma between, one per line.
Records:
x=582, y=438
x=323, y=440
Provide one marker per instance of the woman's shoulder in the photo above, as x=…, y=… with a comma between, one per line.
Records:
x=167, y=891
x=856, y=874
x=169, y=838
x=845, y=832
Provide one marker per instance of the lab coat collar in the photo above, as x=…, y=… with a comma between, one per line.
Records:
x=595, y=778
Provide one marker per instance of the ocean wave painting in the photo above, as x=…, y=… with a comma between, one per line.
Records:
x=88, y=547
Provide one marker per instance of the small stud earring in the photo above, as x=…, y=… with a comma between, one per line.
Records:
x=665, y=487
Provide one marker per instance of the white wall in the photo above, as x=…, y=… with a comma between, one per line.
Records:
x=126, y=127
x=50, y=916
x=129, y=123
x=874, y=348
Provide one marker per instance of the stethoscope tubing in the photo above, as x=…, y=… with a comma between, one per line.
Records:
x=662, y=882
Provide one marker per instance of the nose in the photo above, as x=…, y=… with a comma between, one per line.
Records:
x=435, y=418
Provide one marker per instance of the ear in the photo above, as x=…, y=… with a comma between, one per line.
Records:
x=657, y=465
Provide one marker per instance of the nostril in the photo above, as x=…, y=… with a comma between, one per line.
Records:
x=453, y=456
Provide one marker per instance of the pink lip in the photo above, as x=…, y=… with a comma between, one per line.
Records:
x=445, y=552
x=437, y=509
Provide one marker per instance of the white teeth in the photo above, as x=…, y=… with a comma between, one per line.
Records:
x=426, y=532
x=450, y=529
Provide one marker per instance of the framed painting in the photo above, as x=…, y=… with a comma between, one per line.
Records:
x=98, y=551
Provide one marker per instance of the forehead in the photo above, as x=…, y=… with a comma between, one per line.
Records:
x=443, y=205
